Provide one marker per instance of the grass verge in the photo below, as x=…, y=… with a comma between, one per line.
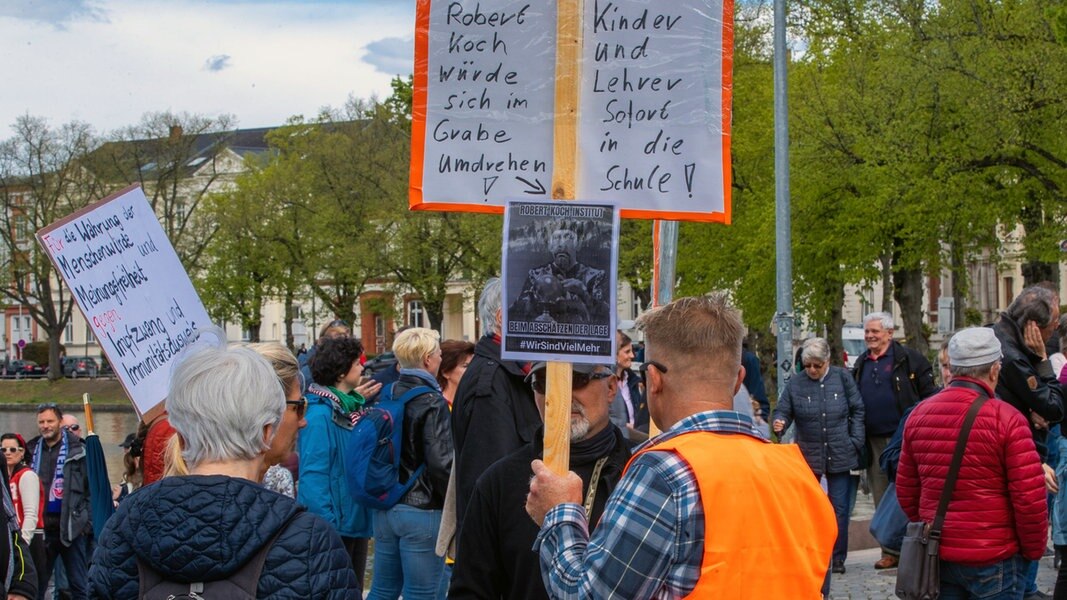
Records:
x=103, y=392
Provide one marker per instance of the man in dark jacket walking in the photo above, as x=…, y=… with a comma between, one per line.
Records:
x=496, y=561
x=891, y=378
x=493, y=413
x=59, y=460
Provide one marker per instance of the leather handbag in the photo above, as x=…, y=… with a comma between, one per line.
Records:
x=919, y=569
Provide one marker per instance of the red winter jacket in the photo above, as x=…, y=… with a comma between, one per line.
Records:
x=998, y=508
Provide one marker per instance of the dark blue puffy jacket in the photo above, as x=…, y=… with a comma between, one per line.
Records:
x=202, y=528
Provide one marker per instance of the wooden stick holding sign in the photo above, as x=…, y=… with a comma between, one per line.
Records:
x=565, y=163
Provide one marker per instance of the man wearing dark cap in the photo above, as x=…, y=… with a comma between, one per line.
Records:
x=997, y=520
x=494, y=546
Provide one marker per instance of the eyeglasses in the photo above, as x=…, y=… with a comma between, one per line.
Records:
x=814, y=365
x=47, y=406
x=337, y=323
x=578, y=380
x=10, y=450
x=651, y=363
x=74, y=427
x=301, y=406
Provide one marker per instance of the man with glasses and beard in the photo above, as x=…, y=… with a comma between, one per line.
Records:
x=564, y=289
x=498, y=534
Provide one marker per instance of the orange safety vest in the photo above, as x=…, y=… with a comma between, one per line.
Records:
x=769, y=528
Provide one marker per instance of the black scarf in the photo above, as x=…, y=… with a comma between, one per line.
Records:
x=590, y=449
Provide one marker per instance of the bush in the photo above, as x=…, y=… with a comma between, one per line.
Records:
x=38, y=352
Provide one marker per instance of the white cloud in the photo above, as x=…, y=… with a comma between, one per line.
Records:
x=284, y=58
x=392, y=56
x=57, y=13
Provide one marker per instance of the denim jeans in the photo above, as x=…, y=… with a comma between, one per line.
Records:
x=838, y=487
x=1004, y=580
x=75, y=560
x=404, y=558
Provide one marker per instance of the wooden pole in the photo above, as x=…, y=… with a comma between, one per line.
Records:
x=565, y=165
x=89, y=429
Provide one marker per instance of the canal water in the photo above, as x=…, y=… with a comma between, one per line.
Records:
x=111, y=426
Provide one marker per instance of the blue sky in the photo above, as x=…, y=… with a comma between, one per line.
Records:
x=107, y=62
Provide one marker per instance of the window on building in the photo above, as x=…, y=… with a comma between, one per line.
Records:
x=89, y=337
x=416, y=314
x=246, y=334
x=68, y=334
x=1009, y=290
x=379, y=334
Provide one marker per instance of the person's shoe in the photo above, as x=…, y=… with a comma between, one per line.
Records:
x=838, y=567
x=887, y=562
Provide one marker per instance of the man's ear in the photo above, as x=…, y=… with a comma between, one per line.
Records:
x=613, y=385
x=740, y=379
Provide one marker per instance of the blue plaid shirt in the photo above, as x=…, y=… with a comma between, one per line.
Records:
x=652, y=542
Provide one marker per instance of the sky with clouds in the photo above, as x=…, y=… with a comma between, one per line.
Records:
x=107, y=62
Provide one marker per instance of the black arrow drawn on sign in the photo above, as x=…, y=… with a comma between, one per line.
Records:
x=488, y=183
x=534, y=189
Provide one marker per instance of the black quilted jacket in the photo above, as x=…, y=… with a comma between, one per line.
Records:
x=202, y=528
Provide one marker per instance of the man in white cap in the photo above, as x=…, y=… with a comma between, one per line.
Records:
x=997, y=520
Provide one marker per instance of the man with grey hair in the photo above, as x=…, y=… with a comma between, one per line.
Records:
x=997, y=520
x=493, y=413
x=891, y=378
x=1028, y=381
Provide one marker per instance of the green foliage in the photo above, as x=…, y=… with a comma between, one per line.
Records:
x=38, y=352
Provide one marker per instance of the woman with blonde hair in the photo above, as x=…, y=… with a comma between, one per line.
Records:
x=405, y=535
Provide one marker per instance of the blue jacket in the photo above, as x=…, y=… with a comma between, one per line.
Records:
x=323, y=487
x=829, y=419
x=204, y=528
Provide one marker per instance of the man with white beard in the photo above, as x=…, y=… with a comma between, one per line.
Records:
x=494, y=557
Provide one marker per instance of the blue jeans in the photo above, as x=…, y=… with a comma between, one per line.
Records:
x=839, y=488
x=1004, y=580
x=75, y=560
x=404, y=558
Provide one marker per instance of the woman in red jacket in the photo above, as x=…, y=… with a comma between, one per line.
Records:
x=26, y=494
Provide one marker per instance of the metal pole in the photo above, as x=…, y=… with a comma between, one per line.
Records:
x=783, y=221
x=666, y=259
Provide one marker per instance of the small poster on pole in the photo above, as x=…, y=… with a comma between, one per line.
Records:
x=559, y=270
x=131, y=287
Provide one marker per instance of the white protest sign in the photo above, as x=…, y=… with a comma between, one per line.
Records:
x=487, y=112
x=652, y=129
x=131, y=287
x=654, y=109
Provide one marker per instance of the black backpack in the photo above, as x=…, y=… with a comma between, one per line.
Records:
x=241, y=585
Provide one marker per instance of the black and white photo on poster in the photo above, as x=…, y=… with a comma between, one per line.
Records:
x=559, y=268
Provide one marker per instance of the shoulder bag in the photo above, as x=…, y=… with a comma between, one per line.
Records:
x=919, y=571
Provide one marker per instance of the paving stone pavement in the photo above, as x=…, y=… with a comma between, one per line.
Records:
x=862, y=581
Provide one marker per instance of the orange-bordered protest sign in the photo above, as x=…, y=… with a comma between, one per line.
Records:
x=653, y=119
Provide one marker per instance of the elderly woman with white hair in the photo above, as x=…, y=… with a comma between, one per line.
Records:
x=405, y=561
x=217, y=525
x=825, y=404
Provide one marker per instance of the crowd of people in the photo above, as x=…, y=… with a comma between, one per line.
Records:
x=244, y=483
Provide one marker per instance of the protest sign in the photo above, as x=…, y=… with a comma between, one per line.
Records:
x=654, y=111
x=131, y=287
x=560, y=260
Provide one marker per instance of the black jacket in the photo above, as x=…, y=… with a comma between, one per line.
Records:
x=913, y=377
x=493, y=415
x=1027, y=382
x=829, y=420
x=494, y=557
x=427, y=440
x=206, y=527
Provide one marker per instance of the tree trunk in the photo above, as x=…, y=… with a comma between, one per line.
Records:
x=435, y=315
x=55, y=369
x=908, y=291
x=837, y=323
x=959, y=287
x=290, y=339
x=887, y=283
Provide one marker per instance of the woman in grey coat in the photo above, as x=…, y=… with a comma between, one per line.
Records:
x=825, y=405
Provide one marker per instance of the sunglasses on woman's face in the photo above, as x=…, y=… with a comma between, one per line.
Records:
x=301, y=406
x=10, y=450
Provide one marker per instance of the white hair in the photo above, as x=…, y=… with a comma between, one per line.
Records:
x=884, y=317
x=815, y=349
x=489, y=305
x=219, y=401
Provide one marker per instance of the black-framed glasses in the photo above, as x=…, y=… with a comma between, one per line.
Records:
x=10, y=450
x=662, y=368
x=578, y=380
x=301, y=406
x=814, y=365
